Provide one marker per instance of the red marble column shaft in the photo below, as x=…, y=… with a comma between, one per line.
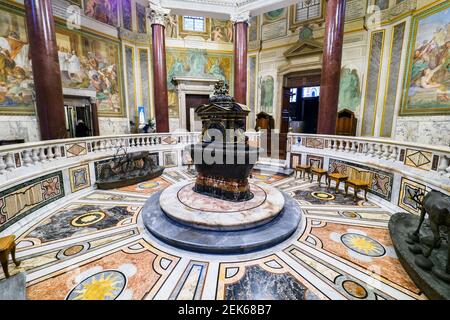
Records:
x=160, y=78
x=45, y=66
x=240, y=62
x=331, y=66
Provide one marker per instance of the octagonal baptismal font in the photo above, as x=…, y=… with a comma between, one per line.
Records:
x=221, y=211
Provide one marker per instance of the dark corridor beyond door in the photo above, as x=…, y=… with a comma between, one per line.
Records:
x=192, y=102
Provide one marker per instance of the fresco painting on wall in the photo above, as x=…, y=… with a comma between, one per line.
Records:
x=171, y=26
x=382, y=4
x=126, y=14
x=102, y=10
x=16, y=80
x=428, y=88
x=197, y=63
x=91, y=63
x=253, y=29
x=274, y=15
x=349, y=89
x=141, y=18
x=267, y=87
x=251, y=93
x=221, y=30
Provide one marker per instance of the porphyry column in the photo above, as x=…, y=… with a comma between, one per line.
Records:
x=157, y=17
x=45, y=66
x=331, y=66
x=240, y=56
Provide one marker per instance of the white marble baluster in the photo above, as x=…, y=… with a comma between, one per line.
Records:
x=348, y=145
x=394, y=153
x=9, y=162
x=35, y=156
x=372, y=149
x=387, y=152
x=27, y=161
x=50, y=154
x=57, y=152
x=42, y=156
x=380, y=150
x=355, y=147
x=2, y=164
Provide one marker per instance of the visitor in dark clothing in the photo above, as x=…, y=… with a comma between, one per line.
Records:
x=81, y=130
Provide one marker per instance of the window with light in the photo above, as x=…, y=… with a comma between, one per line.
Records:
x=307, y=10
x=293, y=95
x=191, y=23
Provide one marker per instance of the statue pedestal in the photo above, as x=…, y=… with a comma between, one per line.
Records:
x=400, y=225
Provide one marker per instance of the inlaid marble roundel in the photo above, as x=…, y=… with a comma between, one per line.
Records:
x=363, y=244
x=105, y=285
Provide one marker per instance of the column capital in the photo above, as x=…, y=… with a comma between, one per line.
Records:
x=240, y=17
x=157, y=14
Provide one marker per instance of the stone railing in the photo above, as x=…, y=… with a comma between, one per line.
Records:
x=401, y=153
x=426, y=163
x=18, y=156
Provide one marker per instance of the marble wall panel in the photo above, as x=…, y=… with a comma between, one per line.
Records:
x=407, y=189
x=394, y=73
x=27, y=197
x=79, y=178
x=372, y=85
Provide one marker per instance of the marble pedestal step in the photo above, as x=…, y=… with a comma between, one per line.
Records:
x=273, y=169
x=221, y=242
x=13, y=288
x=181, y=203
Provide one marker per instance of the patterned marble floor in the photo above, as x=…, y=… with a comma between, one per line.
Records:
x=96, y=247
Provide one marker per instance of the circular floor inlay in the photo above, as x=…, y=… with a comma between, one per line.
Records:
x=73, y=250
x=363, y=245
x=148, y=185
x=261, y=177
x=323, y=195
x=88, y=219
x=105, y=285
x=354, y=289
x=350, y=214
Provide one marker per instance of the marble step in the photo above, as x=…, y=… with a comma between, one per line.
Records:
x=13, y=288
x=273, y=169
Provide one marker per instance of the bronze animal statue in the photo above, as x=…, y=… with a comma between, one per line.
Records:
x=437, y=205
x=127, y=164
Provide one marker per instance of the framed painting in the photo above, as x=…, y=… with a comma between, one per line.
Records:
x=126, y=15
x=91, y=62
x=141, y=18
x=253, y=29
x=105, y=11
x=221, y=30
x=16, y=78
x=427, y=82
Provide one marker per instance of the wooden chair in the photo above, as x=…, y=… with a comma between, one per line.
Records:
x=8, y=245
x=303, y=169
x=336, y=177
x=360, y=180
x=319, y=172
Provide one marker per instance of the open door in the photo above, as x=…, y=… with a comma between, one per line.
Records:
x=284, y=123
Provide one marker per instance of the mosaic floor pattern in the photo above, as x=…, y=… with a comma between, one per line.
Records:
x=96, y=247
